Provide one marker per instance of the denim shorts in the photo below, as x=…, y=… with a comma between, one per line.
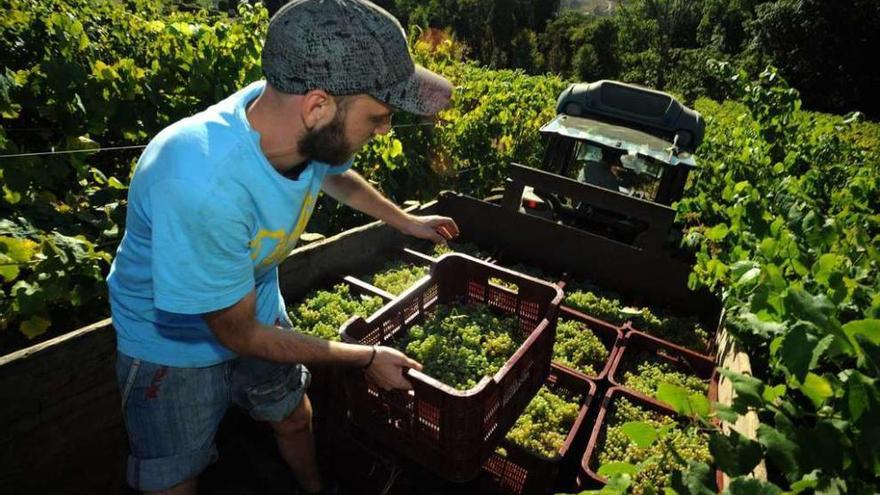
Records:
x=172, y=414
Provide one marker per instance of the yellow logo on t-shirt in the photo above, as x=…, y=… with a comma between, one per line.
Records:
x=284, y=241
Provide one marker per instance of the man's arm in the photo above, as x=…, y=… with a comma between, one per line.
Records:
x=237, y=328
x=351, y=189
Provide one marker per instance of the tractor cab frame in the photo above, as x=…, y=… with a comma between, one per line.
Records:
x=633, y=144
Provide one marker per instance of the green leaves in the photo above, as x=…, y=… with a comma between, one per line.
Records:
x=800, y=351
x=617, y=468
x=750, y=391
x=817, y=388
x=783, y=451
x=717, y=232
x=733, y=453
x=641, y=433
x=751, y=486
x=682, y=401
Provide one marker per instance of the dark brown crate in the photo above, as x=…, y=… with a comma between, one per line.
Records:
x=325, y=390
x=609, y=334
x=588, y=477
x=682, y=359
x=523, y=472
x=446, y=430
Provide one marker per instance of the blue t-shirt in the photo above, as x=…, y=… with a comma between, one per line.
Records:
x=209, y=219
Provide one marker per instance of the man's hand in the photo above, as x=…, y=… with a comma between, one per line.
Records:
x=432, y=227
x=388, y=368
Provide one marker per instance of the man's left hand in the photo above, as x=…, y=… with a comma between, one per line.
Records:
x=432, y=227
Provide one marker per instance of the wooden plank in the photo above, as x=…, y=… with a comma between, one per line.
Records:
x=731, y=357
x=62, y=427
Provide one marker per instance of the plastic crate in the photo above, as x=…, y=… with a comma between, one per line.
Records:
x=325, y=390
x=523, y=472
x=708, y=351
x=588, y=477
x=682, y=359
x=448, y=431
x=609, y=334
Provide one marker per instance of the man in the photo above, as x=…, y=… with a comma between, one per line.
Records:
x=216, y=202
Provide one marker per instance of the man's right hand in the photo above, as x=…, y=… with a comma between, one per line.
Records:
x=388, y=368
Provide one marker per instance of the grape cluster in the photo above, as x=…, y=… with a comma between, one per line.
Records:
x=545, y=423
x=459, y=247
x=460, y=344
x=590, y=303
x=397, y=276
x=685, y=439
x=645, y=371
x=322, y=312
x=578, y=347
x=684, y=331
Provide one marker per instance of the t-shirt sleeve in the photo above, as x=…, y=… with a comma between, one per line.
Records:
x=200, y=249
x=338, y=169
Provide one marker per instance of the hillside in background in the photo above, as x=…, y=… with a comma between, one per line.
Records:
x=825, y=49
x=594, y=7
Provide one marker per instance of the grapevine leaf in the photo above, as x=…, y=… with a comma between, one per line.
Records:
x=858, y=387
x=816, y=388
x=717, y=232
x=868, y=328
x=752, y=486
x=735, y=454
x=725, y=412
x=817, y=310
x=641, y=433
x=610, y=469
x=781, y=450
x=800, y=351
x=695, y=480
x=34, y=326
x=807, y=482
x=683, y=402
x=826, y=437
x=749, y=390
x=824, y=267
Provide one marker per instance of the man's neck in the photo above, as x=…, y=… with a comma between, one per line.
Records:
x=278, y=133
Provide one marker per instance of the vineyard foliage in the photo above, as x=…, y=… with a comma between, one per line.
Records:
x=783, y=215
x=84, y=74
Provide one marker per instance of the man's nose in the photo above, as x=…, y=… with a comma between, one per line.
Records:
x=382, y=129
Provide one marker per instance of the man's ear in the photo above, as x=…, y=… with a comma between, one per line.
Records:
x=318, y=109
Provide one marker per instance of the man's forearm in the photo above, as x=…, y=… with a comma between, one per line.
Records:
x=353, y=190
x=289, y=346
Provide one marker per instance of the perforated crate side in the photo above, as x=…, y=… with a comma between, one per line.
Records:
x=449, y=431
x=522, y=472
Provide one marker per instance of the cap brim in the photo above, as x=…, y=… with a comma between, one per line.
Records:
x=423, y=93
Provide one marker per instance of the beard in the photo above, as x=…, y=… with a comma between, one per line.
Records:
x=327, y=144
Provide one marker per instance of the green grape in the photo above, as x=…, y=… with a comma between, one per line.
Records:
x=685, y=439
x=459, y=247
x=545, y=423
x=684, y=331
x=596, y=306
x=397, y=276
x=322, y=312
x=605, y=305
x=579, y=348
x=460, y=344
x=645, y=371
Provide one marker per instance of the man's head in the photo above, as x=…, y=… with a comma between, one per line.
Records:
x=346, y=48
x=355, y=121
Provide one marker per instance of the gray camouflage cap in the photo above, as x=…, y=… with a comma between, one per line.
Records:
x=348, y=47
